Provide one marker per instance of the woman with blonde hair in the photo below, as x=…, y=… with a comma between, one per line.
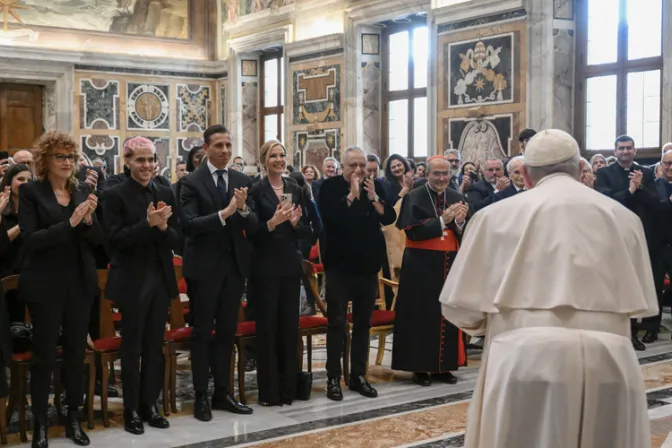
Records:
x=275, y=279
x=58, y=280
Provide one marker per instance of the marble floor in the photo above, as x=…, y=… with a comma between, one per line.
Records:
x=404, y=415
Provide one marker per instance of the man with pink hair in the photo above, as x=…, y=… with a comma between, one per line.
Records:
x=116, y=179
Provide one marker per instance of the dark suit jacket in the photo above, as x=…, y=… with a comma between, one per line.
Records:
x=315, y=185
x=510, y=191
x=5, y=337
x=134, y=245
x=200, y=207
x=277, y=252
x=645, y=202
x=46, y=234
x=480, y=195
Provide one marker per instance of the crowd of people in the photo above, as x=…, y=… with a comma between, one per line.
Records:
x=63, y=216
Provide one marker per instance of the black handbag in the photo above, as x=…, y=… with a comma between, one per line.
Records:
x=22, y=337
x=304, y=385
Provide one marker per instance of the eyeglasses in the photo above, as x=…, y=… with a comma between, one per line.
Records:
x=61, y=158
x=666, y=163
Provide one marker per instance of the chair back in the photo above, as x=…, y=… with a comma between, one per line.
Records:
x=106, y=322
x=309, y=271
x=176, y=307
x=382, y=282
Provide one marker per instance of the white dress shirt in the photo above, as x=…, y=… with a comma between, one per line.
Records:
x=215, y=177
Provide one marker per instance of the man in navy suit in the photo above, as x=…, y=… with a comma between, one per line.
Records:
x=482, y=193
x=517, y=185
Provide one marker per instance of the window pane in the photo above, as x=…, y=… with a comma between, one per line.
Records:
x=420, y=122
x=270, y=127
x=282, y=81
x=282, y=128
x=271, y=83
x=645, y=18
x=600, y=112
x=644, y=108
x=420, y=56
x=398, y=75
x=398, y=127
x=602, y=31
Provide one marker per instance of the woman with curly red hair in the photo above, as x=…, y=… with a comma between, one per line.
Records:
x=58, y=280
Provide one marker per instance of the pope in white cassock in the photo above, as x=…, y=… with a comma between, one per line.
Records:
x=551, y=277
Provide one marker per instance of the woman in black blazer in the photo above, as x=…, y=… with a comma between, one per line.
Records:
x=58, y=279
x=275, y=276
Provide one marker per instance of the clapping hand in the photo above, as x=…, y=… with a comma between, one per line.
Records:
x=92, y=201
x=158, y=216
x=241, y=196
x=370, y=188
x=83, y=210
x=283, y=213
x=450, y=213
x=408, y=180
x=296, y=215
x=91, y=179
x=4, y=199
x=635, y=180
x=230, y=209
x=461, y=212
x=502, y=183
x=355, y=185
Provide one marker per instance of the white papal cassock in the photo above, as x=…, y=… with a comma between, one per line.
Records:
x=551, y=277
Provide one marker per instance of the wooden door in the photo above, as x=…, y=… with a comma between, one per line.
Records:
x=20, y=116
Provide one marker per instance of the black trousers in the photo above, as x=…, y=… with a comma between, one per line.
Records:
x=662, y=266
x=214, y=305
x=72, y=314
x=143, y=324
x=276, y=304
x=361, y=290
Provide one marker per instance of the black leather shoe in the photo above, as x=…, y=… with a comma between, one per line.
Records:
x=133, y=422
x=202, y=410
x=286, y=402
x=223, y=401
x=151, y=415
x=422, y=379
x=111, y=391
x=637, y=344
x=362, y=386
x=73, y=430
x=334, y=391
x=40, y=428
x=446, y=377
x=650, y=336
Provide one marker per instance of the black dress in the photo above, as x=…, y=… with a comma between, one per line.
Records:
x=11, y=265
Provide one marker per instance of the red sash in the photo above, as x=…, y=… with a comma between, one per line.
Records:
x=446, y=243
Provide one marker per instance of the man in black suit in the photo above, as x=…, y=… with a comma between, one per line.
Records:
x=142, y=234
x=353, y=208
x=330, y=168
x=664, y=188
x=517, y=185
x=482, y=193
x=217, y=255
x=634, y=187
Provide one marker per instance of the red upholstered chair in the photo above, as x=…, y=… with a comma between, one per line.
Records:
x=382, y=321
x=20, y=366
x=311, y=325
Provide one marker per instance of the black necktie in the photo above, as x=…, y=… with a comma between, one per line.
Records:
x=221, y=186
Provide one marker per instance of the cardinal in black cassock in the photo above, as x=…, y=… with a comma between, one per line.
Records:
x=433, y=218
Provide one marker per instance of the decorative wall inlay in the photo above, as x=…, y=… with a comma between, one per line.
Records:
x=371, y=89
x=105, y=147
x=479, y=139
x=142, y=71
x=222, y=102
x=318, y=55
x=98, y=104
x=563, y=9
x=49, y=99
x=250, y=131
x=148, y=106
x=480, y=71
x=162, y=145
x=317, y=95
x=193, y=107
x=248, y=67
x=370, y=43
x=480, y=21
x=312, y=147
x=185, y=144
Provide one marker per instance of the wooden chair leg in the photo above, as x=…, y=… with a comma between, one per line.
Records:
x=104, y=384
x=166, y=378
x=381, y=349
x=346, y=356
x=173, y=380
x=241, y=371
x=22, y=370
x=3, y=421
x=91, y=390
x=309, y=351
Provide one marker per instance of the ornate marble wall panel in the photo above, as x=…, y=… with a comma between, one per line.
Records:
x=148, y=106
x=185, y=144
x=312, y=147
x=105, y=147
x=371, y=85
x=250, y=92
x=222, y=102
x=193, y=107
x=317, y=95
x=172, y=112
x=563, y=9
x=563, y=91
x=482, y=88
x=98, y=104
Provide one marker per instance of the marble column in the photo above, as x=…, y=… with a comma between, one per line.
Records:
x=352, y=99
x=235, y=102
x=540, y=64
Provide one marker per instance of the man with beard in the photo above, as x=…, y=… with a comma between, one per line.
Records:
x=482, y=193
x=433, y=217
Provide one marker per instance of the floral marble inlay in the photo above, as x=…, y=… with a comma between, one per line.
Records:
x=98, y=104
x=102, y=147
x=193, y=106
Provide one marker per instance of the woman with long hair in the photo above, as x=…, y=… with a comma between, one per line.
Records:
x=311, y=174
x=398, y=178
x=597, y=161
x=275, y=279
x=58, y=278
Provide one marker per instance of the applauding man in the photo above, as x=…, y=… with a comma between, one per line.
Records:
x=353, y=207
x=142, y=235
x=216, y=262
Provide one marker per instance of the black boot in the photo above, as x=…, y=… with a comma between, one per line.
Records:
x=40, y=433
x=151, y=415
x=73, y=430
x=223, y=401
x=202, y=410
x=133, y=422
x=334, y=391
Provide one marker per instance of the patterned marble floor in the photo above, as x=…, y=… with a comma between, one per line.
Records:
x=403, y=415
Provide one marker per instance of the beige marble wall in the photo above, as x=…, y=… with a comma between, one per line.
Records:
x=371, y=91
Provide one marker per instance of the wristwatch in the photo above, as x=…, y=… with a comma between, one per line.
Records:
x=375, y=198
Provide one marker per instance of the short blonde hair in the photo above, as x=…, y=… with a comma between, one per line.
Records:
x=265, y=151
x=46, y=146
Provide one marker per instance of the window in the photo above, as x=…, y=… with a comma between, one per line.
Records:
x=405, y=61
x=272, y=101
x=619, y=64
